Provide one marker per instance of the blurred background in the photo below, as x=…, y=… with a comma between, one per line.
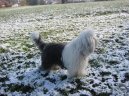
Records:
x=17, y=3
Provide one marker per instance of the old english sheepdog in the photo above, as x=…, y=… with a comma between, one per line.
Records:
x=73, y=56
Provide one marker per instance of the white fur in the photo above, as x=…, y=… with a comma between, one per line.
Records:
x=34, y=35
x=75, y=54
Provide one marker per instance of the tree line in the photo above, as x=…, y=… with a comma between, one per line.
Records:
x=9, y=3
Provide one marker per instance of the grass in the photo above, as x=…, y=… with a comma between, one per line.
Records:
x=77, y=9
x=56, y=23
x=20, y=88
x=61, y=23
x=65, y=14
x=2, y=50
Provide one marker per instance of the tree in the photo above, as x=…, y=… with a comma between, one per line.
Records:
x=32, y=2
x=41, y=2
x=5, y=3
x=64, y=1
x=23, y=2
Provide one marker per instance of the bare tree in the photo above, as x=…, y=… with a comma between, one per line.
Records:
x=32, y=2
x=64, y=1
x=41, y=2
x=5, y=3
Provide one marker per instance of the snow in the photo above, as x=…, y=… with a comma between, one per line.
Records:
x=34, y=35
x=20, y=60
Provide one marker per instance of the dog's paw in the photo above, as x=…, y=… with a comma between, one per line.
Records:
x=82, y=73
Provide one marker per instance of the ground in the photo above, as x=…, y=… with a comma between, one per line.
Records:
x=20, y=59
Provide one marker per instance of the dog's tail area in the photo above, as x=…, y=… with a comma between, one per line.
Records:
x=37, y=40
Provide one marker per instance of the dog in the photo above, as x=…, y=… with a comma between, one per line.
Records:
x=73, y=55
x=51, y=53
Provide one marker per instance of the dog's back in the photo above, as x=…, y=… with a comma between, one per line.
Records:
x=51, y=53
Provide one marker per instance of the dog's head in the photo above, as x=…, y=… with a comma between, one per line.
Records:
x=87, y=42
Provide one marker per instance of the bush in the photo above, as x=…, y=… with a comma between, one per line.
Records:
x=32, y=2
x=23, y=2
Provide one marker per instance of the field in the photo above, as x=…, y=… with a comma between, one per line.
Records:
x=20, y=58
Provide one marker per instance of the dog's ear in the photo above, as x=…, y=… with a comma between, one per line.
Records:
x=96, y=41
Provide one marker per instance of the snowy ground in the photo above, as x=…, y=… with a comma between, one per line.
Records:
x=20, y=59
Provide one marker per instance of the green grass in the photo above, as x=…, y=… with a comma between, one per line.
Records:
x=2, y=50
x=60, y=23
x=52, y=20
x=70, y=9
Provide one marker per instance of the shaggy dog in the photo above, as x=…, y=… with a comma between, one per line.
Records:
x=72, y=56
x=75, y=54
